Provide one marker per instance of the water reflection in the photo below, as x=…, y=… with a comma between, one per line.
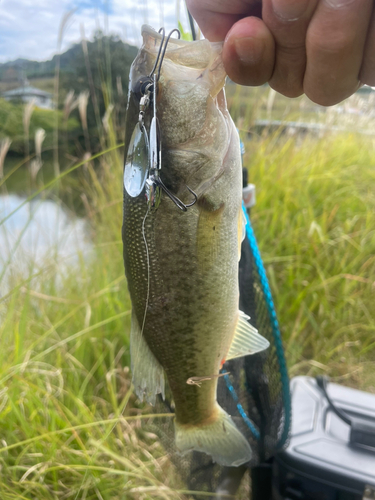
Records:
x=38, y=234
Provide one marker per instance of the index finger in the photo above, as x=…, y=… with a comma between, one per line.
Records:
x=216, y=17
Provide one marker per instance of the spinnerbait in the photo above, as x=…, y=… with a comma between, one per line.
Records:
x=137, y=175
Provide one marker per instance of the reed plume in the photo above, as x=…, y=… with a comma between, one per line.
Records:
x=69, y=104
x=83, y=100
x=63, y=25
x=37, y=163
x=28, y=111
x=4, y=148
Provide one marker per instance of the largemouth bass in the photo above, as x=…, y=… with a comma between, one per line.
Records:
x=182, y=266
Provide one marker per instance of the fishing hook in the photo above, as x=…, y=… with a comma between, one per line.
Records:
x=154, y=185
x=182, y=206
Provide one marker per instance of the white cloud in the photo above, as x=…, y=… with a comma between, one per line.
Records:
x=29, y=28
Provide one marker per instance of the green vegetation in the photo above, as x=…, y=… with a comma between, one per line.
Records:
x=68, y=416
x=315, y=220
x=11, y=125
x=102, y=67
x=262, y=103
x=64, y=375
x=70, y=424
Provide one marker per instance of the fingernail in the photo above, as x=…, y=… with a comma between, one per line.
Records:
x=249, y=49
x=289, y=10
x=338, y=4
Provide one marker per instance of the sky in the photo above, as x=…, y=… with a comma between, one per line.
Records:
x=30, y=28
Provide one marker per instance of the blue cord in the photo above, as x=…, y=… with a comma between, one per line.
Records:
x=240, y=408
x=275, y=329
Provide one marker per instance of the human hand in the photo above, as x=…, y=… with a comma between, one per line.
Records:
x=323, y=48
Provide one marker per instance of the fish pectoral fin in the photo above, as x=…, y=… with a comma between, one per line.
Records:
x=148, y=374
x=219, y=438
x=246, y=339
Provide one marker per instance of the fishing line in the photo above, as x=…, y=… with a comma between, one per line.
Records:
x=148, y=269
x=148, y=283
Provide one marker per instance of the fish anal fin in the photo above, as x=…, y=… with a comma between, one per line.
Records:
x=246, y=339
x=148, y=374
x=219, y=437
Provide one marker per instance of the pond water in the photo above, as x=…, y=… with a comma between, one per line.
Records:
x=40, y=233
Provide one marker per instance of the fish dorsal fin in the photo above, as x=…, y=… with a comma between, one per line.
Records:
x=246, y=339
x=148, y=374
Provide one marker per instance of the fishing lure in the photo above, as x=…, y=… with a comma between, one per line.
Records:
x=143, y=161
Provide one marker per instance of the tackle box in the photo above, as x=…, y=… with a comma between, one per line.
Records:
x=327, y=458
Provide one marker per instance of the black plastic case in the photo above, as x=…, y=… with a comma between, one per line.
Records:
x=320, y=463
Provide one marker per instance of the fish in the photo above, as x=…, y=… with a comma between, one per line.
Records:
x=181, y=266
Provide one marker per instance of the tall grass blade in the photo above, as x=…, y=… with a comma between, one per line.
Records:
x=63, y=25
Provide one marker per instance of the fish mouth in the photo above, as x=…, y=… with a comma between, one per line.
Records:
x=198, y=54
x=147, y=30
x=150, y=31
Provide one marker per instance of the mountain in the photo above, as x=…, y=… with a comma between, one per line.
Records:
x=98, y=79
x=19, y=69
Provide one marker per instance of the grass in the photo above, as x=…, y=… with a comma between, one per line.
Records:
x=70, y=424
x=315, y=221
x=248, y=105
x=64, y=377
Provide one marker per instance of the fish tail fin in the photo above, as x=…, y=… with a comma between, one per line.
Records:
x=219, y=438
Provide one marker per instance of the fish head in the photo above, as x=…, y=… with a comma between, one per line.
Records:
x=188, y=99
